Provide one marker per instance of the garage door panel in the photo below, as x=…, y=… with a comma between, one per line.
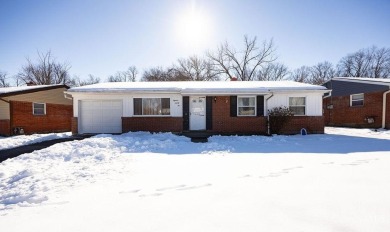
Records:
x=100, y=116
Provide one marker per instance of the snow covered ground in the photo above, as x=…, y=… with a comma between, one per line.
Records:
x=19, y=140
x=339, y=181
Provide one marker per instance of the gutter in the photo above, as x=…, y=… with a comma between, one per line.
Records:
x=66, y=96
x=330, y=94
x=384, y=109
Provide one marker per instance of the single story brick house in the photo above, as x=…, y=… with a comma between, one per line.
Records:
x=358, y=102
x=34, y=109
x=221, y=107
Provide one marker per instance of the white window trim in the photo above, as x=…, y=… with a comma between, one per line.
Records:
x=44, y=108
x=152, y=115
x=350, y=100
x=299, y=105
x=247, y=106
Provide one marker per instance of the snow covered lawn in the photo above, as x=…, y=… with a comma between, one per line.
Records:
x=339, y=181
x=20, y=140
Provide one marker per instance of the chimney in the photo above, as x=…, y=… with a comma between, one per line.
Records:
x=233, y=79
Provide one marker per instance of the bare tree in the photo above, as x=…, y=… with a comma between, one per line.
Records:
x=118, y=77
x=91, y=80
x=272, y=72
x=242, y=64
x=132, y=73
x=356, y=64
x=3, y=79
x=370, y=62
x=129, y=75
x=195, y=69
x=301, y=74
x=45, y=72
x=321, y=72
x=380, y=67
x=157, y=74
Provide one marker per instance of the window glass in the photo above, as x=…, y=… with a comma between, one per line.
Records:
x=137, y=106
x=357, y=99
x=246, y=106
x=297, y=105
x=165, y=106
x=38, y=108
x=152, y=106
x=297, y=101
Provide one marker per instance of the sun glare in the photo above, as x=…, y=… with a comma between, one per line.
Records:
x=193, y=28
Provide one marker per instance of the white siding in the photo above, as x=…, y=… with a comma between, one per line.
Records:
x=314, y=105
x=4, y=110
x=127, y=101
x=313, y=102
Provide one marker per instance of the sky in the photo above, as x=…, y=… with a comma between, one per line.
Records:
x=101, y=37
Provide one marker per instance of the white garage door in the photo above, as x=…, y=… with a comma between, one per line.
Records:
x=100, y=116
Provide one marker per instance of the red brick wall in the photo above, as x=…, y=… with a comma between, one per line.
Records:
x=152, y=124
x=57, y=118
x=75, y=128
x=327, y=112
x=5, y=127
x=343, y=114
x=312, y=124
x=223, y=123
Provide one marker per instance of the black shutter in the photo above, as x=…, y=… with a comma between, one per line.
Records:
x=233, y=106
x=186, y=113
x=260, y=106
x=209, y=113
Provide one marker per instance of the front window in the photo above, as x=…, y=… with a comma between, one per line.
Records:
x=357, y=99
x=246, y=106
x=297, y=105
x=39, y=108
x=152, y=106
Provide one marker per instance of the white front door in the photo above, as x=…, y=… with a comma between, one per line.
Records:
x=197, y=113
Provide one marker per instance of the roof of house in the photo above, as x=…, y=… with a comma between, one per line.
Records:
x=10, y=91
x=376, y=81
x=196, y=87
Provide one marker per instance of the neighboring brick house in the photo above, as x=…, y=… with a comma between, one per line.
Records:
x=34, y=109
x=358, y=102
x=232, y=107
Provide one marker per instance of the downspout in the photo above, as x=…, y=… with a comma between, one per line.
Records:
x=268, y=124
x=384, y=109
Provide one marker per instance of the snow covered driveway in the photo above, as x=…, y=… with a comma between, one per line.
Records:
x=20, y=140
x=339, y=181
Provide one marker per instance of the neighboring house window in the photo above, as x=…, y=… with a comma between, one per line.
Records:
x=246, y=106
x=39, y=108
x=297, y=105
x=152, y=106
x=357, y=99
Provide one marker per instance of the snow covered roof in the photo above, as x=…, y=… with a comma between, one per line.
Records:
x=196, y=87
x=378, y=81
x=27, y=89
